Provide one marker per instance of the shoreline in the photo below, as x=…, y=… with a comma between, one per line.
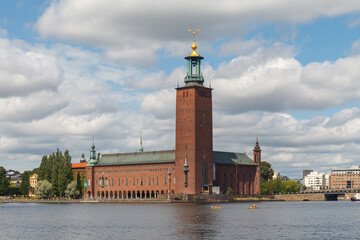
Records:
x=132, y=201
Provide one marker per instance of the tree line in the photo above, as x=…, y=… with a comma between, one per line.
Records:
x=56, y=169
x=277, y=185
x=55, y=178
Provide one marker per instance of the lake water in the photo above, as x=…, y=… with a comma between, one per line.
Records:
x=273, y=220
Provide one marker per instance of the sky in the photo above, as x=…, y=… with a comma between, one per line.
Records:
x=284, y=71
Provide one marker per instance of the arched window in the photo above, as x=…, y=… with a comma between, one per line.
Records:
x=165, y=180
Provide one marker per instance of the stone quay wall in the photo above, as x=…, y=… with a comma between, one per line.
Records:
x=205, y=198
x=300, y=197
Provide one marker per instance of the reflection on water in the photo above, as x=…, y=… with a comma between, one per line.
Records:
x=276, y=220
x=195, y=221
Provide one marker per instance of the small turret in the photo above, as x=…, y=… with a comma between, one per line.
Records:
x=82, y=159
x=93, y=160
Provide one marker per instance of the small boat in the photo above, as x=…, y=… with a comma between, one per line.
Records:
x=216, y=207
x=253, y=207
x=356, y=197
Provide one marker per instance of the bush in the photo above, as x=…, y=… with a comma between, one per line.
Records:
x=43, y=189
x=230, y=193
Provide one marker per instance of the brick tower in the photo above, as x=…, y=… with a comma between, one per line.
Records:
x=194, y=136
x=257, y=161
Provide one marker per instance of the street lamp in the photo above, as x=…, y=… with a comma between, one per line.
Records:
x=169, y=175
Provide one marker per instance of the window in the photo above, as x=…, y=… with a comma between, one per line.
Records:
x=119, y=181
x=149, y=181
x=141, y=181
x=157, y=181
x=165, y=180
x=133, y=181
x=126, y=181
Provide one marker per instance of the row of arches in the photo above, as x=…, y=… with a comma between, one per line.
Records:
x=154, y=194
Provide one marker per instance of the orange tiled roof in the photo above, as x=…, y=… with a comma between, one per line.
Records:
x=79, y=165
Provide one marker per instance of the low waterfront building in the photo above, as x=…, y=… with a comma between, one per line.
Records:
x=314, y=181
x=345, y=178
x=33, y=180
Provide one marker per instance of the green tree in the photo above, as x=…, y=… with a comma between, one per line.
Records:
x=277, y=186
x=43, y=189
x=265, y=186
x=230, y=193
x=42, y=169
x=71, y=190
x=14, y=190
x=4, y=183
x=64, y=172
x=25, y=183
x=54, y=174
x=56, y=168
x=79, y=185
x=265, y=170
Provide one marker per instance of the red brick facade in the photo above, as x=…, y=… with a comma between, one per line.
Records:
x=194, y=138
x=130, y=181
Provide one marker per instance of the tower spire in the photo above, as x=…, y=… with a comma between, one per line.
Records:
x=194, y=75
x=93, y=160
x=141, y=149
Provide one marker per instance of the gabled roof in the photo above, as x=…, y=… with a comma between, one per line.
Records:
x=137, y=158
x=78, y=165
x=33, y=175
x=168, y=157
x=232, y=158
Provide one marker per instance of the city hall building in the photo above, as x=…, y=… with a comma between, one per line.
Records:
x=192, y=168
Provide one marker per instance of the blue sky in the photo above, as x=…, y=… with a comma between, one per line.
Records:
x=284, y=71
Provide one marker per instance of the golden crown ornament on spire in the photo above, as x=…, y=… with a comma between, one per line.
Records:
x=193, y=46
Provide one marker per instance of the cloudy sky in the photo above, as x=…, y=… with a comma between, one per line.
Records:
x=286, y=71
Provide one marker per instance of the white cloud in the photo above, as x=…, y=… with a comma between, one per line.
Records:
x=236, y=48
x=161, y=104
x=131, y=34
x=273, y=80
x=23, y=72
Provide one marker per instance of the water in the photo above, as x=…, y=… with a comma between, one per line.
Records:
x=275, y=220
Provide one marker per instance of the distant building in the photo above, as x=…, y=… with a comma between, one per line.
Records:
x=33, y=179
x=275, y=175
x=306, y=172
x=314, y=181
x=327, y=181
x=14, y=177
x=345, y=178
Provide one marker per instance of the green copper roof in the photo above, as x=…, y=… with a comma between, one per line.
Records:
x=137, y=158
x=232, y=158
x=168, y=157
